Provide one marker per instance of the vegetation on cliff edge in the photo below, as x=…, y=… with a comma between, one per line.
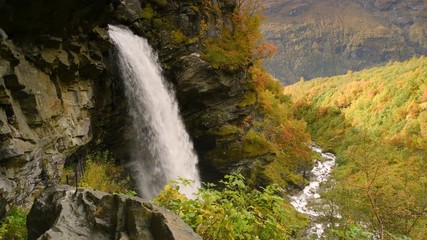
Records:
x=272, y=138
x=102, y=173
x=239, y=43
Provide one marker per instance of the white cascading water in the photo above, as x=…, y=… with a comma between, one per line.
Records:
x=319, y=174
x=162, y=149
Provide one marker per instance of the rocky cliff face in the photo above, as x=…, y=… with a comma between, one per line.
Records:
x=61, y=96
x=46, y=101
x=325, y=38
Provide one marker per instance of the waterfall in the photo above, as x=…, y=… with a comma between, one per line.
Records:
x=162, y=149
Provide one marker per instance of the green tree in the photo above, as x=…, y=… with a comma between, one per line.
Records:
x=371, y=194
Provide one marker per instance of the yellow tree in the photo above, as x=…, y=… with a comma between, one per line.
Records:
x=374, y=192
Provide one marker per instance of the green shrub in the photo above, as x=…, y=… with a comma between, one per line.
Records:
x=227, y=130
x=248, y=99
x=235, y=212
x=13, y=226
x=219, y=57
x=353, y=232
x=239, y=43
x=101, y=173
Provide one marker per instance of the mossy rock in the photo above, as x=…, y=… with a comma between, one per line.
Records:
x=147, y=12
x=158, y=23
x=178, y=36
x=248, y=99
x=252, y=146
x=193, y=40
x=227, y=130
x=161, y=2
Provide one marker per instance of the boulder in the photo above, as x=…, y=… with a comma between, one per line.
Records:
x=61, y=212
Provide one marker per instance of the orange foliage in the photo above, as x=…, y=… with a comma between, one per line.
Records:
x=322, y=112
x=288, y=138
x=424, y=97
x=264, y=50
x=259, y=76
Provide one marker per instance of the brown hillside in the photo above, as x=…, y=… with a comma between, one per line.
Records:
x=328, y=37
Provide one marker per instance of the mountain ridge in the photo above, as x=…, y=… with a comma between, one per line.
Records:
x=327, y=38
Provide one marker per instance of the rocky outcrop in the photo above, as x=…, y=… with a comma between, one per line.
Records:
x=46, y=99
x=210, y=100
x=63, y=213
x=326, y=38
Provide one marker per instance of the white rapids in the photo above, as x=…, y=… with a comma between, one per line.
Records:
x=162, y=149
x=319, y=174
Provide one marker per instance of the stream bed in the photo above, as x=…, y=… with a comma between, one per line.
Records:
x=305, y=201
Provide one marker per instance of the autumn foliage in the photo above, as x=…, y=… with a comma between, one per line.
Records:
x=272, y=140
x=376, y=122
x=287, y=137
x=239, y=43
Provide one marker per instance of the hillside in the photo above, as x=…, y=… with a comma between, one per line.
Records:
x=327, y=38
x=376, y=122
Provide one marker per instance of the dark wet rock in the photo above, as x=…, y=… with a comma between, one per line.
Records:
x=3, y=35
x=209, y=99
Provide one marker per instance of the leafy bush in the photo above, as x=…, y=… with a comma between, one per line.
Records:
x=226, y=57
x=13, y=226
x=101, y=173
x=235, y=212
x=354, y=232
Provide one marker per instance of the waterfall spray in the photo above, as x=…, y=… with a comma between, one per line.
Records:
x=162, y=149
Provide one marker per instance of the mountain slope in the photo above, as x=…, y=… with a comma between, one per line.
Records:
x=388, y=102
x=327, y=38
x=376, y=122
